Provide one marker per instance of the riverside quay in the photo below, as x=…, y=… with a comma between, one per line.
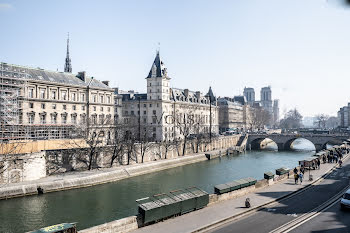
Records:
x=168, y=117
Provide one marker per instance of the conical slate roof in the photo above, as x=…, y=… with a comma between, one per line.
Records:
x=158, y=69
x=210, y=94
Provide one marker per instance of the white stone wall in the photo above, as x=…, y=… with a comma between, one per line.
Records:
x=19, y=168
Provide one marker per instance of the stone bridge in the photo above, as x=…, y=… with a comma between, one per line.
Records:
x=284, y=141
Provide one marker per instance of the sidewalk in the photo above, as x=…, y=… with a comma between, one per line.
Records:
x=226, y=209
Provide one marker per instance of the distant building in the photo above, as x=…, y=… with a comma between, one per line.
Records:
x=231, y=115
x=266, y=102
x=249, y=94
x=276, y=111
x=344, y=116
x=265, y=99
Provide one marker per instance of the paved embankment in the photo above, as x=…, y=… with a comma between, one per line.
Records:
x=81, y=179
x=231, y=206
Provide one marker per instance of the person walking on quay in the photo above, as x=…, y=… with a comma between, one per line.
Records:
x=295, y=170
x=302, y=169
x=340, y=162
x=301, y=177
x=318, y=163
x=336, y=159
x=296, y=177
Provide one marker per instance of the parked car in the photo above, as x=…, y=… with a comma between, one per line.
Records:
x=345, y=201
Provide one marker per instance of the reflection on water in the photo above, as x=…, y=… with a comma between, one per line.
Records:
x=107, y=202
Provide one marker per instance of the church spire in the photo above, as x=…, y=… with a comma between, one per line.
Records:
x=68, y=65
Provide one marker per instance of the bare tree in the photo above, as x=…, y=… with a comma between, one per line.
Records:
x=321, y=120
x=118, y=145
x=185, y=123
x=292, y=120
x=332, y=122
x=259, y=118
x=145, y=141
x=91, y=141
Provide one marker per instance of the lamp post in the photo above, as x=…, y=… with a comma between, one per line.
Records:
x=208, y=96
x=139, y=99
x=88, y=107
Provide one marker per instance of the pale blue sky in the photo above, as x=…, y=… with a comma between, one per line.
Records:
x=301, y=48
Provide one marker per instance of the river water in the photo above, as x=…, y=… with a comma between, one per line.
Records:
x=103, y=203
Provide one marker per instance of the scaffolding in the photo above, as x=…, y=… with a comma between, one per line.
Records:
x=13, y=96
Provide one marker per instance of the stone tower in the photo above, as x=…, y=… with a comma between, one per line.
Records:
x=249, y=94
x=158, y=81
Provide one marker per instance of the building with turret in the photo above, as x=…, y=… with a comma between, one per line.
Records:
x=168, y=113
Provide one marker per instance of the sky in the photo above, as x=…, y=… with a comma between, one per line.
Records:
x=300, y=48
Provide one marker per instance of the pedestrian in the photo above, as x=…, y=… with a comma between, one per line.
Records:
x=302, y=170
x=340, y=162
x=295, y=170
x=319, y=163
x=301, y=177
x=296, y=177
x=313, y=165
x=336, y=159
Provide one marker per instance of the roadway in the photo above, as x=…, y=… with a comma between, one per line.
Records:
x=288, y=211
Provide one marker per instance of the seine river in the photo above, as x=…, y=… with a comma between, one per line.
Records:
x=103, y=203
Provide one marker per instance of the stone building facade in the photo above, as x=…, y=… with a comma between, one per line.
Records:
x=167, y=111
x=231, y=115
x=47, y=105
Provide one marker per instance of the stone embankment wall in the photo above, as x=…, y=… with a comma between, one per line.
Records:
x=64, y=160
x=94, y=178
x=121, y=225
x=31, y=166
x=22, y=167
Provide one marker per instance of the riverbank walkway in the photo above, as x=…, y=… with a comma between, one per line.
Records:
x=218, y=212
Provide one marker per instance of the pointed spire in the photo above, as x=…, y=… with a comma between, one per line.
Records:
x=210, y=95
x=68, y=65
x=158, y=69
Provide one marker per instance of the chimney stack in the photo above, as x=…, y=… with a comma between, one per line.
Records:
x=186, y=92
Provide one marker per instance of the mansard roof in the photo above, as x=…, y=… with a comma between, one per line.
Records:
x=192, y=97
x=158, y=68
x=38, y=74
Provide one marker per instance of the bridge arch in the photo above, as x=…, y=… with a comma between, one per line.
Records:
x=256, y=143
x=288, y=144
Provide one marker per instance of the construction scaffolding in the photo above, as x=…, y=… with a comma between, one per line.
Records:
x=13, y=99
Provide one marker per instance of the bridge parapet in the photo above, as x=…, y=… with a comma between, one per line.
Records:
x=284, y=141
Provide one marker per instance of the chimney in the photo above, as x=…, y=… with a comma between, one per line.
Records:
x=186, y=92
x=106, y=83
x=198, y=94
x=81, y=75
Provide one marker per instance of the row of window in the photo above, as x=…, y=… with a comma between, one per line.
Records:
x=132, y=113
x=64, y=107
x=64, y=96
x=64, y=118
x=53, y=119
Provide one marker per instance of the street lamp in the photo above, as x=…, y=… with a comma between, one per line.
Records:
x=139, y=99
x=88, y=106
x=208, y=96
